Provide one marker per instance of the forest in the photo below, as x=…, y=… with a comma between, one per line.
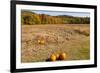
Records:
x=31, y=18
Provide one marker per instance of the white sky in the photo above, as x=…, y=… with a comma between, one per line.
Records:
x=55, y=13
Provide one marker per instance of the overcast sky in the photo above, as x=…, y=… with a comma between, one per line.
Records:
x=55, y=13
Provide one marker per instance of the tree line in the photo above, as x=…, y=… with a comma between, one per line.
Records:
x=31, y=18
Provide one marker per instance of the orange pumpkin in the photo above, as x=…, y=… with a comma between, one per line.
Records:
x=52, y=57
x=62, y=56
x=57, y=56
x=42, y=42
x=39, y=41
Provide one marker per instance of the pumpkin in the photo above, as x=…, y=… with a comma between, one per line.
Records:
x=57, y=56
x=62, y=56
x=39, y=41
x=42, y=42
x=52, y=57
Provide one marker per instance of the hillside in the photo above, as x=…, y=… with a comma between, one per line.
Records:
x=31, y=18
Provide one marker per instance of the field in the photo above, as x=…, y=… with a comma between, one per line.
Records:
x=72, y=39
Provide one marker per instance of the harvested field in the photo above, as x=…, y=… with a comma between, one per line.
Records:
x=39, y=42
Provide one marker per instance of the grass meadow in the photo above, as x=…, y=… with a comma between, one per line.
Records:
x=39, y=42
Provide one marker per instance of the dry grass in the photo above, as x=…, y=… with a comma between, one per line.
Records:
x=39, y=42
